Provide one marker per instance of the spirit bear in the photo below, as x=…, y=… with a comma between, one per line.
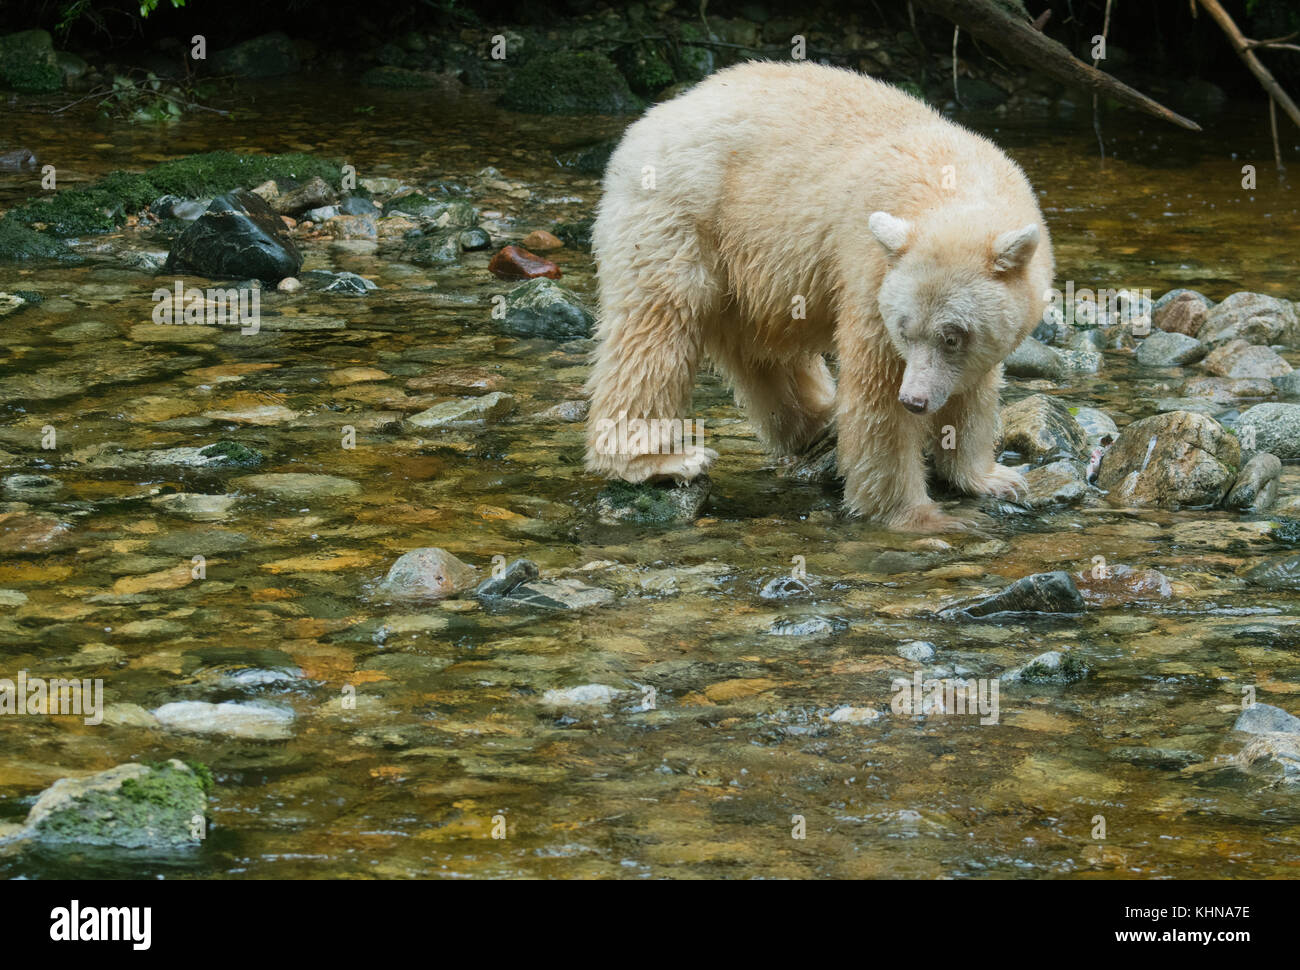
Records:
x=778, y=212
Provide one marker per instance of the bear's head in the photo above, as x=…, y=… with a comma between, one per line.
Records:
x=960, y=291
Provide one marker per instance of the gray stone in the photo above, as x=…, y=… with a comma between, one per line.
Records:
x=1253, y=317
x=1271, y=427
x=1256, y=487
x=1163, y=349
x=248, y=721
x=429, y=573
x=1041, y=429
x=652, y=504
x=1172, y=460
x=464, y=413
x=1238, y=359
x=1053, y=592
x=543, y=308
x=1266, y=719
x=518, y=572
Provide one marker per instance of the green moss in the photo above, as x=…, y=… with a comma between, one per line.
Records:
x=1286, y=531
x=233, y=454
x=27, y=62
x=576, y=234
x=157, y=808
x=19, y=242
x=646, y=67
x=104, y=206
x=570, y=82
x=1070, y=670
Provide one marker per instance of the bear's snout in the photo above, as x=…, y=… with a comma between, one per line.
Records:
x=913, y=402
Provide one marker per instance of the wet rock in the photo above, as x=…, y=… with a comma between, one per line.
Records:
x=1053, y=592
x=1227, y=390
x=1095, y=424
x=1080, y=361
x=1041, y=429
x=587, y=695
x=1288, y=385
x=355, y=205
x=515, y=574
x=1266, y=719
x=1278, y=573
x=1170, y=759
x=239, y=237
x=1053, y=667
x=541, y=308
x=197, y=507
x=569, y=82
x=28, y=533
x=1055, y=484
x=30, y=488
x=435, y=249
x=516, y=263
x=1119, y=585
x=784, y=587
x=918, y=651
x=10, y=303
x=464, y=413
x=298, y=486
x=1274, y=428
x=352, y=227
x=1238, y=359
x=454, y=214
x=18, y=160
x=270, y=55
x=541, y=241
x=802, y=626
x=28, y=62
x=1181, y=311
x=649, y=503
x=474, y=239
x=248, y=721
x=570, y=412
x=853, y=715
x=1256, y=487
x=1253, y=317
x=351, y=284
x=1163, y=349
x=1035, y=359
x=129, y=806
x=459, y=381
x=1276, y=755
x=430, y=573
x=558, y=594
x=219, y=454
x=1172, y=460
x=576, y=235
x=312, y=194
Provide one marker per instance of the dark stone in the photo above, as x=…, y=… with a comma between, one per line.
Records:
x=1053, y=592
x=517, y=573
x=239, y=236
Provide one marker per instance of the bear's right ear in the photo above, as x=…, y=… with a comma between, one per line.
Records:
x=890, y=232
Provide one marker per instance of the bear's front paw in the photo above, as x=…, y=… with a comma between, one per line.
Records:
x=925, y=518
x=690, y=464
x=999, y=482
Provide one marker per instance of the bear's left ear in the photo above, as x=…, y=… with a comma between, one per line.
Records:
x=1011, y=250
x=890, y=231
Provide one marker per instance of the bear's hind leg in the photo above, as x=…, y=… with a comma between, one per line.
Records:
x=791, y=404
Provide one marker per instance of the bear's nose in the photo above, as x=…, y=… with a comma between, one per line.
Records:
x=916, y=405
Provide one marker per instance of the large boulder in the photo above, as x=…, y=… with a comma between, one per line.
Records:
x=131, y=805
x=1271, y=427
x=28, y=62
x=1173, y=460
x=1253, y=317
x=1041, y=429
x=270, y=55
x=1238, y=359
x=239, y=237
x=570, y=82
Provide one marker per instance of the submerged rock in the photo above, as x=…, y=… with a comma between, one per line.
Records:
x=464, y=413
x=1278, y=573
x=587, y=695
x=541, y=308
x=1172, y=460
x=1041, y=429
x=131, y=806
x=515, y=574
x=1119, y=585
x=248, y=721
x=219, y=454
x=239, y=237
x=1053, y=592
x=429, y=573
x=30, y=488
x=1053, y=667
x=299, y=486
x=651, y=504
x=558, y=594
x=1266, y=719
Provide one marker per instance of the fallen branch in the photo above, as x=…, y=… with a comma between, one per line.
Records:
x=991, y=23
x=1243, y=49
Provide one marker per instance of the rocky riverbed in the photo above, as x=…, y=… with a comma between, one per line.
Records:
x=348, y=588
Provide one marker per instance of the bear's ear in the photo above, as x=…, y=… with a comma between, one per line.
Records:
x=1011, y=250
x=889, y=232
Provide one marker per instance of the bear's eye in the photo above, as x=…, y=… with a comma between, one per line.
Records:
x=952, y=338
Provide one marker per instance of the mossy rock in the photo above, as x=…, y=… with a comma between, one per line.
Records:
x=651, y=504
x=28, y=62
x=690, y=61
x=270, y=55
x=570, y=82
x=646, y=67
x=19, y=242
x=387, y=76
x=231, y=454
x=131, y=805
x=104, y=206
x=576, y=235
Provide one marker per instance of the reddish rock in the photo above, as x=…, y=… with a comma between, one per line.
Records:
x=517, y=263
x=1183, y=314
x=539, y=240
